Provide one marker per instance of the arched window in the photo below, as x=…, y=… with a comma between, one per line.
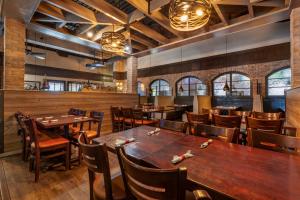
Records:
x=239, y=85
x=160, y=88
x=190, y=86
x=278, y=82
x=141, y=88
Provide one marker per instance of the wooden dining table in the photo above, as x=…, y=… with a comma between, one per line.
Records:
x=225, y=170
x=58, y=120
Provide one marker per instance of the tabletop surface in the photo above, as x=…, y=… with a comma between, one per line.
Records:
x=49, y=121
x=238, y=171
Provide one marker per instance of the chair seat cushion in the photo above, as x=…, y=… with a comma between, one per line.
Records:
x=127, y=120
x=118, y=119
x=74, y=129
x=117, y=188
x=47, y=141
x=89, y=134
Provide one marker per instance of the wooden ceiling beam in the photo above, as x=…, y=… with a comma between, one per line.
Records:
x=232, y=2
x=250, y=9
x=149, y=32
x=219, y=13
x=108, y=9
x=50, y=11
x=74, y=8
x=156, y=16
x=85, y=28
x=138, y=47
x=142, y=40
x=270, y=3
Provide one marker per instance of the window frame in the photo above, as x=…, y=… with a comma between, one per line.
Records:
x=159, y=87
x=137, y=88
x=189, y=86
x=267, y=82
x=57, y=81
x=73, y=82
x=230, y=83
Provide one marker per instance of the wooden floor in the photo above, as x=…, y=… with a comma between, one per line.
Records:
x=53, y=184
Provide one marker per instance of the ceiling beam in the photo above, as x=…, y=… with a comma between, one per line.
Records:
x=149, y=32
x=74, y=8
x=250, y=9
x=63, y=36
x=155, y=15
x=108, y=9
x=50, y=11
x=138, y=47
x=85, y=28
x=142, y=40
x=219, y=13
x=232, y=2
x=251, y=23
x=270, y=3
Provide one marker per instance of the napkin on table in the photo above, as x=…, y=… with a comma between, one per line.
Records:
x=177, y=159
x=122, y=142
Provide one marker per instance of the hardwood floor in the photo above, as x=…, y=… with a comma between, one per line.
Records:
x=55, y=184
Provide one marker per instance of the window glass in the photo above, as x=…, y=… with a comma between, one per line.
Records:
x=160, y=88
x=279, y=82
x=141, y=89
x=56, y=85
x=239, y=84
x=190, y=86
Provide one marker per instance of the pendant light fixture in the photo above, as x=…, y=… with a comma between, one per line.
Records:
x=96, y=64
x=226, y=87
x=113, y=42
x=189, y=15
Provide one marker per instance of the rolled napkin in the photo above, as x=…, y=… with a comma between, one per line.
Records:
x=156, y=131
x=50, y=117
x=177, y=159
x=39, y=119
x=122, y=142
x=45, y=121
x=205, y=144
x=54, y=120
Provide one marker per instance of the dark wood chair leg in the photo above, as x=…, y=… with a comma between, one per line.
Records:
x=79, y=155
x=91, y=180
x=68, y=156
x=31, y=164
x=37, y=167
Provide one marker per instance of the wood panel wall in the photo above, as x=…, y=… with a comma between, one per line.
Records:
x=34, y=102
x=293, y=108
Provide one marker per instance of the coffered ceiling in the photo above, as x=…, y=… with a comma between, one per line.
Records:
x=73, y=19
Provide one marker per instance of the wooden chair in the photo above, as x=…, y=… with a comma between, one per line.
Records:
x=228, y=121
x=135, y=117
x=211, y=112
x=263, y=115
x=194, y=119
x=270, y=126
x=173, y=125
x=116, y=119
x=74, y=128
x=24, y=133
x=229, y=135
x=102, y=186
x=46, y=146
x=240, y=113
x=274, y=142
x=149, y=183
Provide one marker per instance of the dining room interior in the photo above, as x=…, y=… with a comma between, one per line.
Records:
x=149, y=99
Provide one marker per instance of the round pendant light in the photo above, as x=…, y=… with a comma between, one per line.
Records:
x=113, y=42
x=189, y=15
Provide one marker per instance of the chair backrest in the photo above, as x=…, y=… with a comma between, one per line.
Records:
x=263, y=115
x=271, y=126
x=95, y=157
x=229, y=135
x=211, y=112
x=198, y=118
x=240, y=113
x=97, y=118
x=148, y=183
x=75, y=111
x=116, y=113
x=127, y=112
x=137, y=114
x=228, y=121
x=33, y=133
x=275, y=142
x=173, y=125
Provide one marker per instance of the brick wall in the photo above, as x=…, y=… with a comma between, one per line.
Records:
x=254, y=71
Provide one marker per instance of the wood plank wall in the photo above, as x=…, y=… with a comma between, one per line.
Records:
x=34, y=102
x=293, y=108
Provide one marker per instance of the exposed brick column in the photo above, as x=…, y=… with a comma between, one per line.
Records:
x=119, y=75
x=295, y=47
x=14, y=54
x=131, y=67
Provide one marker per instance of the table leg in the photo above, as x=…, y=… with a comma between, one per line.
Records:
x=66, y=130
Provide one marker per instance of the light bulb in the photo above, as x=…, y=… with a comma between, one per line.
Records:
x=199, y=12
x=114, y=44
x=89, y=34
x=185, y=7
x=184, y=18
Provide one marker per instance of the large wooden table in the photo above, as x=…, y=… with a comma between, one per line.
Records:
x=54, y=121
x=225, y=170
